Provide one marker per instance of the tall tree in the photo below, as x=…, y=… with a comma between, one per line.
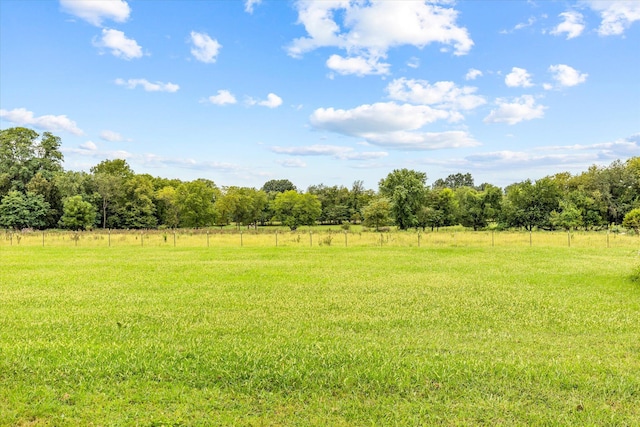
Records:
x=294, y=209
x=78, y=214
x=23, y=210
x=109, y=178
x=406, y=190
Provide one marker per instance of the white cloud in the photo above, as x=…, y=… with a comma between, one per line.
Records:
x=148, y=86
x=369, y=29
x=567, y=76
x=223, y=97
x=518, y=77
x=249, y=5
x=335, y=151
x=573, y=25
x=473, y=74
x=119, y=44
x=23, y=117
x=292, y=163
x=89, y=146
x=442, y=94
x=111, y=136
x=403, y=140
x=272, y=101
x=376, y=118
x=617, y=15
x=413, y=62
x=95, y=12
x=392, y=125
x=205, y=49
x=522, y=108
x=357, y=65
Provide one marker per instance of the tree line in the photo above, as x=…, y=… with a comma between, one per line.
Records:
x=36, y=192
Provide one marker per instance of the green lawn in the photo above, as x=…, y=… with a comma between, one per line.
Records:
x=155, y=336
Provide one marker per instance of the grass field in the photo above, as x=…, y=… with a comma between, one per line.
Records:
x=365, y=335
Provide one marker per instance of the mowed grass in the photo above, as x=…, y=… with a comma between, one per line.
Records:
x=155, y=336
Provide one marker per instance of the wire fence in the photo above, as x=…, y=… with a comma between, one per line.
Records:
x=313, y=238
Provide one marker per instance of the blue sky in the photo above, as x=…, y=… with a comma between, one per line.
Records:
x=329, y=92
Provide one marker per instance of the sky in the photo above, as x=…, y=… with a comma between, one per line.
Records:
x=326, y=92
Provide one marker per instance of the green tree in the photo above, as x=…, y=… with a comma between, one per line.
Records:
x=137, y=209
x=109, y=177
x=377, y=213
x=632, y=220
x=78, y=214
x=23, y=154
x=454, y=181
x=196, y=203
x=294, y=209
x=167, y=209
x=406, y=190
x=241, y=205
x=530, y=205
x=278, y=186
x=19, y=210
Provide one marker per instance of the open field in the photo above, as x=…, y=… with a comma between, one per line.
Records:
x=298, y=335
x=319, y=236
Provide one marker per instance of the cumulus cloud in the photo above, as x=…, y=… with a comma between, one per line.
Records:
x=272, y=101
x=360, y=66
x=147, y=85
x=205, y=49
x=617, y=15
x=392, y=125
x=520, y=109
x=473, y=74
x=223, y=97
x=518, y=77
x=89, y=146
x=573, y=25
x=566, y=76
x=118, y=44
x=442, y=94
x=335, y=151
x=94, y=12
x=250, y=4
x=111, y=136
x=24, y=117
x=369, y=29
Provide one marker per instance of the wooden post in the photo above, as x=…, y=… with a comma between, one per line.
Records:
x=241, y=244
x=530, y=238
x=276, y=238
x=43, y=239
x=381, y=239
x=345, y=238
x=569, y=238
x=608, y=237
x=174, y=238
x=310, y=239
x=109, y=237
x=418, y=239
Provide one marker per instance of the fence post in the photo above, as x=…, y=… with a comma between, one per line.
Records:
x=418, y=239
x=608, y=237
x=241, y=244
x=530, y=238
x=43, y=239
x=381, y=239
x=569, y=238
x=276, y=238
x=345, y=238
x=310, y=239
x=174, y=238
